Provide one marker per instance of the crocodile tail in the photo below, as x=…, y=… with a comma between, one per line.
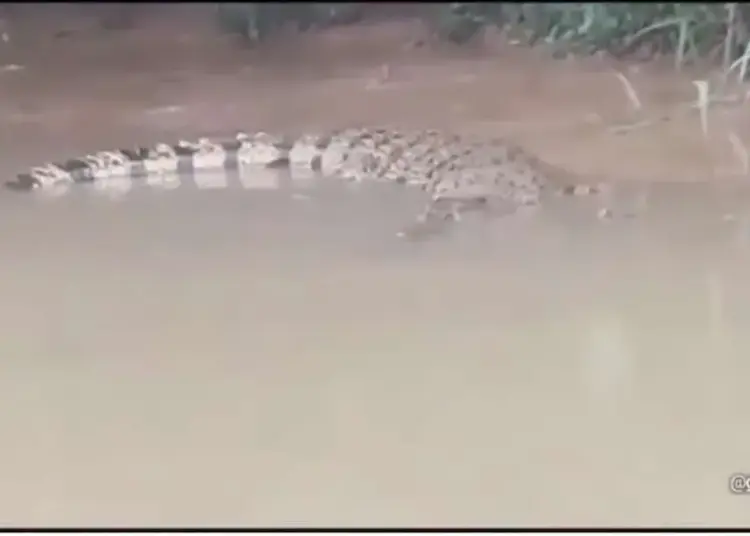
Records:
x=161, y=159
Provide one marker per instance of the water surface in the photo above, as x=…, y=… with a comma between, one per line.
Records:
x=257, y=357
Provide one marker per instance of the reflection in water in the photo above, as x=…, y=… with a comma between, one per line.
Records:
x=245, y=357
x=248, y=179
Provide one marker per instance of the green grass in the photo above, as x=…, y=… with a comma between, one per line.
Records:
x=686, y=31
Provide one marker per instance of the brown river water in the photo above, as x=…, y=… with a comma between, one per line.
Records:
x=245, y=356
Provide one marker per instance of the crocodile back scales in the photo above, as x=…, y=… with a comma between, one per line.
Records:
x=354, y=154
x=460, y=173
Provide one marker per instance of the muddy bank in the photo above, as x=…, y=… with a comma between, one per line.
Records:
x=177, y=78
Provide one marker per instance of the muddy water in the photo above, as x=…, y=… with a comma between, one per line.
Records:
x=238, y=357
x=233, y=356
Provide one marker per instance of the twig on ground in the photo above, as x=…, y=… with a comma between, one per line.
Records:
x=630, y=92
x=702, y=103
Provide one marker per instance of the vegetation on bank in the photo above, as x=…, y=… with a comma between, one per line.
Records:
x=686, y=30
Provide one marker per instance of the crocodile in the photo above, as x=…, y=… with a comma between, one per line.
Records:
x=459, y=173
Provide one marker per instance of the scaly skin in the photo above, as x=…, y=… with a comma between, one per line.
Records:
x=459, y=173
